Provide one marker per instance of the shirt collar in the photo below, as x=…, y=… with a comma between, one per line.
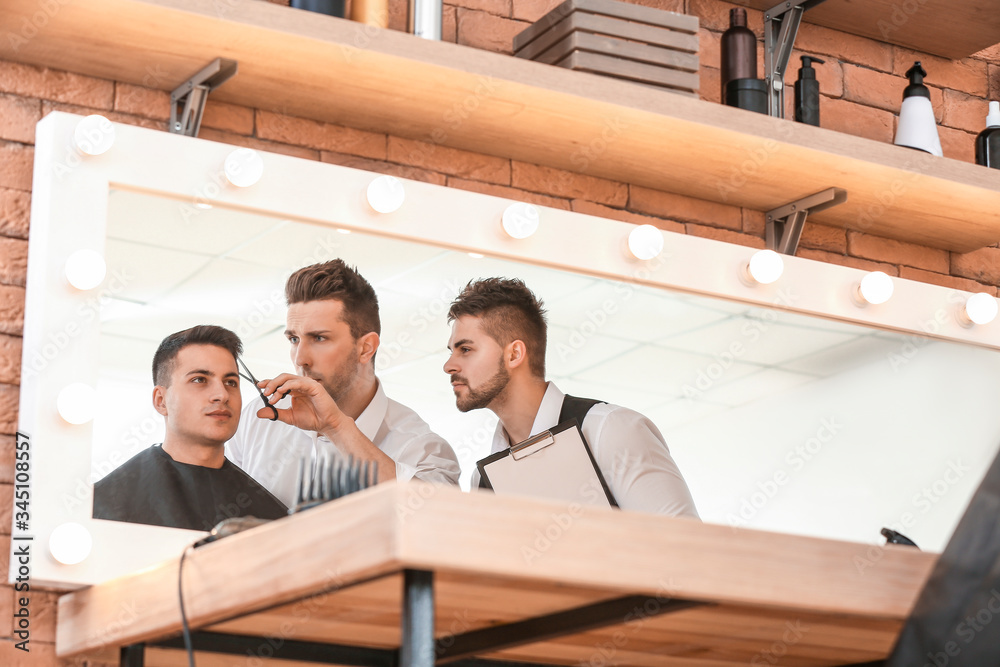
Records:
x=371, y=418
x=546, y=417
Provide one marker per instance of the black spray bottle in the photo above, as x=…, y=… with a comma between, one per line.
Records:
x=988, y=141
x=807, y=93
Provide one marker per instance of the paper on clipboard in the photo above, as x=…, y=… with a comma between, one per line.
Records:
x=556, y=464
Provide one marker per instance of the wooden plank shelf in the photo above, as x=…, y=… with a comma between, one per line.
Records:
x=333, y=70
x=948, y=28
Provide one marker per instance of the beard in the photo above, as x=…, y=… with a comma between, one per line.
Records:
x=339, y=382
x=482, y=396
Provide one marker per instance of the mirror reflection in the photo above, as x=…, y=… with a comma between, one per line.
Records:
x=778, y=421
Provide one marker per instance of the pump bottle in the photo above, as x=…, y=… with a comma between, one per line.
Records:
x=917, y=127
x=988, y=141
x=807, y=93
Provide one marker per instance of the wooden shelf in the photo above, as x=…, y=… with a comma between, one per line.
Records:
x=949, y=28
x=328, y=69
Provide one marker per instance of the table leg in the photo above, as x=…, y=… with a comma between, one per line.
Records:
x=417, y=649
x=132, y=656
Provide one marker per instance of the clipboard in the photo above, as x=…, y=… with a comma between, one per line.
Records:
x=556, y=464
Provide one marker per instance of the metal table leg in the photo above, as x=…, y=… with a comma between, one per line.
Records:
x=132, y=656
x=417, y=649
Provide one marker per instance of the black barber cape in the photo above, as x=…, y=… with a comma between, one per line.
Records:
x=153, y=488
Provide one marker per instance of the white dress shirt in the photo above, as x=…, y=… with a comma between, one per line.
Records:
x=629, y=450
x=270, y=451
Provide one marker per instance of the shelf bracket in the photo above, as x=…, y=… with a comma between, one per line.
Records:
x=781, y=25
x=187, y=102
x=785, y=223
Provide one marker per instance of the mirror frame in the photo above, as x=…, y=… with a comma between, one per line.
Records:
x=62, y=324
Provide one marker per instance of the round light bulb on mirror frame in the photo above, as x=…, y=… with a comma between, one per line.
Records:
x=94, y=135
x=386, y=194
x=85, y=269
x=980, y=308
x=764, y=267
x=520, y=220
x=875, y=288
x=70, y=543
x=645, y=242
x=76, y=403
x=244, y=167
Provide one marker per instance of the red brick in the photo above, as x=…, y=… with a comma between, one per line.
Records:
x=507, y=192
x=856, y=119
x=9, y=396
x=559, y=183
x=847, y=260
x=6, y=608
x=11, y=310
x=498, y=7
x=15, y=212
x=844, y=47
x=43, y=622
x=50, y=84
x=877, y=248
x=399, y=14
x=13, y=261
x=18, y=116
x=451, y=161
x=754, y=222
x=686, y=209
x=823, y=237
x=257, y=144
x=964, y=112
x=449, y=24
x=967, y=75
x=10, y=360
x=590, y=208
x=994, y=76
x=398, y=170
x=487, y=31
x=957, y=145
x=532, y=10
x=884, y=91
x=321, y=136
x=114, y=116
x=709, y=87
x=228, y=117
x=724, y=235
x=981, y=265
x=663, y=5
x=990, y=54
x=16, y=164
x=7, y=448
x=142, y=101
x=953, y=282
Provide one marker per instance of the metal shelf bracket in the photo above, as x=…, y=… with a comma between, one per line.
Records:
x=781, y=25
x=785, y=223
x=187, y=102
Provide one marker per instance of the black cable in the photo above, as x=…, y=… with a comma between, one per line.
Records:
x=180, y=598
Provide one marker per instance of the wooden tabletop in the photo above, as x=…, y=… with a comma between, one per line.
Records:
x=334, y=574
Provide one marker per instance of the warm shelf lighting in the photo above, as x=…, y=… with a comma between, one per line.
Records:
x=70, y=543
x=244, y=167
x=76, y=403
x=94, y=135
x=520, y=220
x=979, y=309
x=875, y=288
x=764, y=267
x=645, y=242
x=85, y=269
x=386, y=194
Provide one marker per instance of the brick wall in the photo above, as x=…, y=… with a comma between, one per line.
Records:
x=861, y=83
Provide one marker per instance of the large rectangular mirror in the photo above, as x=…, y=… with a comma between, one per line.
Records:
x=788, y=407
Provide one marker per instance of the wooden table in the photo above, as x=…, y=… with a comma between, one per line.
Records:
x=362, y=580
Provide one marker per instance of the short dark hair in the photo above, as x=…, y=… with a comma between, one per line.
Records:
x=336, y=280
x=509, y=311
x=205, y=334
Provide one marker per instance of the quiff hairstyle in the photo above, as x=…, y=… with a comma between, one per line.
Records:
x=335, y=280
x=509, y=312
x=206, y=334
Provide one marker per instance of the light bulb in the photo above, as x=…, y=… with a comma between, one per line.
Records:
x=520, y=220
x=85, y=269
x=645, y=242
x=875, y=288
x=386, y=194
x=94, y=135
x=76, y=403
x=980, y=309
x=244, y=167
x=476, y=255
x=70, y=543
x=764, y=267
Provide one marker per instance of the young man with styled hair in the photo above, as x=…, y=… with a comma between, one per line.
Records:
x=186, y=482
x=498, y=362
x=335, y=405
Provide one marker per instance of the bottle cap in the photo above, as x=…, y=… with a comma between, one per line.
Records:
x=993, y=118
x=916, y=88
x=738, y=17
x=807, y=71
